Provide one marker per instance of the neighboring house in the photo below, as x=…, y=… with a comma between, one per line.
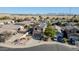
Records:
x=72, y=33
x=71, y=23
x=12, y=27
x=24, y=23
x=38, y=30
x=2, y=31
x=73, y=38
x=5, y=34
x=71, y=29
x=7, y=21
x=43, y=25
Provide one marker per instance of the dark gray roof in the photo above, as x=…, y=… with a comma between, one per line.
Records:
x=43, y=25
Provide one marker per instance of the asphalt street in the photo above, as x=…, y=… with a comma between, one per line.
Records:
x=49, y=47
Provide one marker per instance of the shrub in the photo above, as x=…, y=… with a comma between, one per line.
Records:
x=50, y=32
x=65, y=40
x=5, y=17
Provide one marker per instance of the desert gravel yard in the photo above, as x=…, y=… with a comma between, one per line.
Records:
x=14, y=37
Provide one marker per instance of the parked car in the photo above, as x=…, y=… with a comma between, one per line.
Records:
x=59, y=37
x=72, y=40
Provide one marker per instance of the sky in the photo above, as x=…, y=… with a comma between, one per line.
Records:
x=39, y=10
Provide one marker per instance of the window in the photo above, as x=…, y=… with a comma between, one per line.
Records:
x=35, y=28
x=77, y=31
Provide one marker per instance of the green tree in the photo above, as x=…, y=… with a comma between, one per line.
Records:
x=50, y=32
